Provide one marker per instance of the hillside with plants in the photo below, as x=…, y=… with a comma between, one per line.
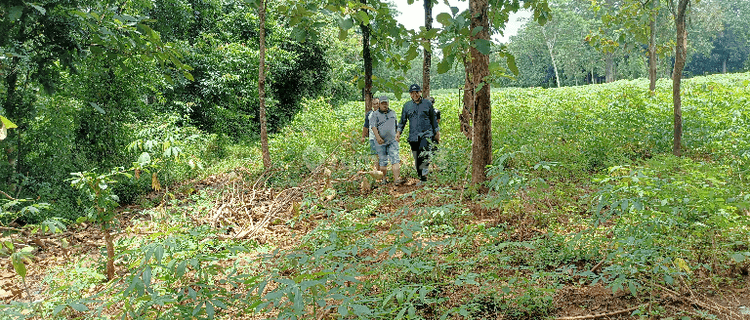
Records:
x=588, y=216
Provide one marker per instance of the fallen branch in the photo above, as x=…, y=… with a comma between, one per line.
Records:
x=604, y=315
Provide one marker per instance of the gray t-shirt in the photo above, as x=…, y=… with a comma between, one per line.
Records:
x=385, y=123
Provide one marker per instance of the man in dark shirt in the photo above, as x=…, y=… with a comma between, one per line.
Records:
x=423, y=127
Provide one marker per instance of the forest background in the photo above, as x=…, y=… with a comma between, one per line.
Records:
x=141, y=96
x=82, y=87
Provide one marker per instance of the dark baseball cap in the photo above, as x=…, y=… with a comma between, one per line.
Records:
x=414, y=87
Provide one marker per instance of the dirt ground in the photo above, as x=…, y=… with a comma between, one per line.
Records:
x=571, y=303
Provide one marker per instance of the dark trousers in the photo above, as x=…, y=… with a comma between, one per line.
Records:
x=420, y=150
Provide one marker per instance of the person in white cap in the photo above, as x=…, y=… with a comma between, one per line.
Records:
x=383, y=125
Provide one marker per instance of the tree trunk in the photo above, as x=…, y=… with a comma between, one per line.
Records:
x=368, y=63
x=262, y=85
x=110, y=253
x=679, y=65
x=724, y=65
x=481, y=147
x=466, y=115
x=427, y=50
x=610, y=69
x=652, y=49
x=550, y=46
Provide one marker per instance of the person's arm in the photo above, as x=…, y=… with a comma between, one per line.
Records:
x=401, y=123
x=434, y=124
x=377, y=135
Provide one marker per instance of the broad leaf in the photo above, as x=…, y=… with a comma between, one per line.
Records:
x=483, y=46
x=445, y=19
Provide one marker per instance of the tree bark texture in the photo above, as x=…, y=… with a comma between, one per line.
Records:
x=368, y=63
x=679, y=65
x=481, y=147
x=609, y=73
x=466, y=115
x=262, y=85
x=427, y=63
x=652, y=49
x=551, y=46
x=110, y=253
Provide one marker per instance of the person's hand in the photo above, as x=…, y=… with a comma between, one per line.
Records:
x=437, y=137
x=362, y=139
x=381, y=141
x=398, y=136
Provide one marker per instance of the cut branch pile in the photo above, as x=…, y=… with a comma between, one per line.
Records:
x=248, y=208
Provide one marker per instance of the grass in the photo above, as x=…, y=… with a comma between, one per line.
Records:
x=587, y=208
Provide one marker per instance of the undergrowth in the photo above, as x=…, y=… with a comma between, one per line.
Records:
x=583, y=193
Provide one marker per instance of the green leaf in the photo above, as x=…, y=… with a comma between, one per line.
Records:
x=432, y=33
x=144, y=159
x=444, y=66
x=343, y=34
x=210, y=310
x=346, y=24
x=738, y=257
x=78, y=307
x=15, y=13
x=97, y=107
x=38, y=8
x=18, y=265
x=363, y=17
x=476, y=30
x=444, y=19
x=188, y=76
x=483, y=46
x=511, y=60
x=7, y=123
x=169, y=79
x=411, y=54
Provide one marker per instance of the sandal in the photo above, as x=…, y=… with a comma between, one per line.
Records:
x=399, y=182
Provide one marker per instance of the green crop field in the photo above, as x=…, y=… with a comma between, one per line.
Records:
x=586, y=207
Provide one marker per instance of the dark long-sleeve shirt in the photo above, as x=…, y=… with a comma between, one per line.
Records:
x=421, y=118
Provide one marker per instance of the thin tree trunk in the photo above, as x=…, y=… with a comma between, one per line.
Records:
x=368, y=62
x=427, y=63
x=679, y=65
x=724, y=66
x=652, y=49
x=481, y=147
x=466, y=115
x=262, y=85
x=110, y=253
x=609, y=73
x=550, y=45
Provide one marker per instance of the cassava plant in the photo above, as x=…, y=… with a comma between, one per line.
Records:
x=97, y=188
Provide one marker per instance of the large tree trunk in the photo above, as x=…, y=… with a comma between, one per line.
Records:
x=481, y=147
x=427, y=50
x=262, y=85
x=466, y=114
x=368, y=63
x=679, y=65
x=652, y=49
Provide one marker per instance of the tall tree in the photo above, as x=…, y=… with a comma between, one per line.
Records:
x=652, y=46
x=679, y=11
x=427, y=63
x=485, y=17
x=364, y=25
x=481, y=147
x=262, y=84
